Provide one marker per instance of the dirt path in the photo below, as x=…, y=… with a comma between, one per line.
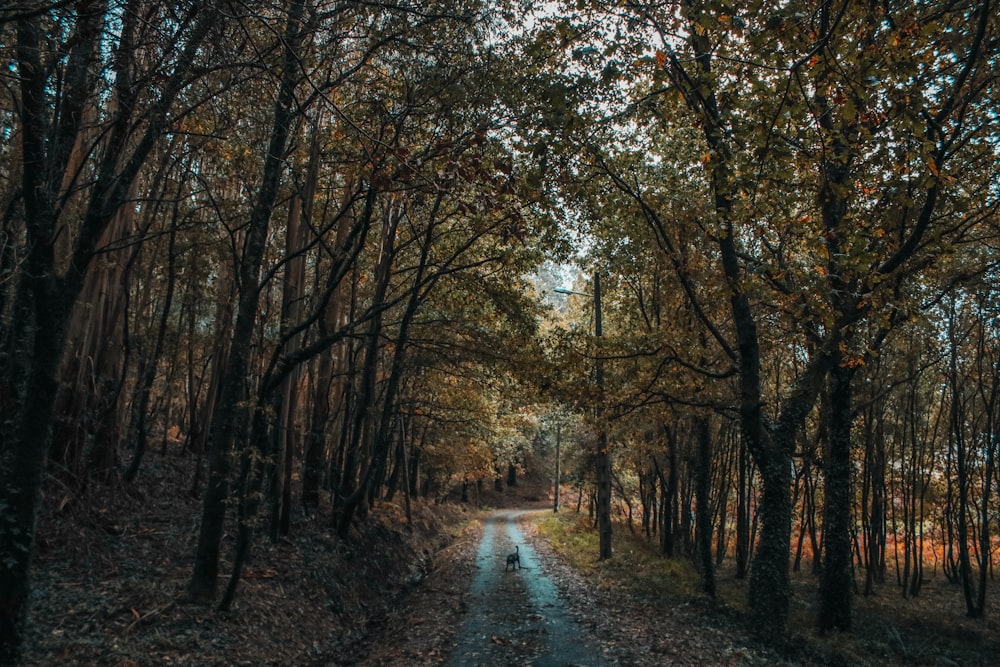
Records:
x=468, y=612
x=516, y=617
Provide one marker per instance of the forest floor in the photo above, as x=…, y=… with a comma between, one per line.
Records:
x=111, y=570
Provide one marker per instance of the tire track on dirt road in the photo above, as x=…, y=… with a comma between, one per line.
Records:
x=517, y=617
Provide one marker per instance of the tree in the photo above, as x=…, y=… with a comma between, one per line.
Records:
x=707, y=88
x=426, y=176
x=59, y=93
x=228, y=418
x=971, y=374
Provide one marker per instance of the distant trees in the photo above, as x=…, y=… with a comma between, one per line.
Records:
x=971, y=371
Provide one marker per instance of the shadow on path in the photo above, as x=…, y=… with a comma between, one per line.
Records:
x=516, y=617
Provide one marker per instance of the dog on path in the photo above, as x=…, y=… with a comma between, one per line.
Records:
x=513, y=559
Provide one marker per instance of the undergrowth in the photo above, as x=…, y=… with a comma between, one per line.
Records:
x=888, y=630
x=636, y=564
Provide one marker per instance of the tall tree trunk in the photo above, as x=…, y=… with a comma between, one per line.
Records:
x=669, y=500
x=768, y=592
x=315, y=454
x=292, y=293
x=405, y=459
x=147, y=368
x=836, y=579
x=328, y=389
x=703, y=505
x=262, y=442
x=354, y=486
x=202, y=408
x=226, y=423
x=724, y=485
x=873, y=498
x=413, y=468
x=958, y=426
x=386, y=429
x=743, y=541
x=990, y=391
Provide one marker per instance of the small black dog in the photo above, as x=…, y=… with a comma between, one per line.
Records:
x=513, y=559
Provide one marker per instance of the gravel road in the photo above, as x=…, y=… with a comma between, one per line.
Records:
x=517, y=617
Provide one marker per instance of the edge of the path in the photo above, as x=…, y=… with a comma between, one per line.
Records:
x=423, y=629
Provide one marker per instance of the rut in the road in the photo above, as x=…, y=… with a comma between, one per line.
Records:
x=516, y=618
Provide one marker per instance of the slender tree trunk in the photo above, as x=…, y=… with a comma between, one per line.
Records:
x=405, y=458
x=743, y=513
x=686, y=506
x=147, y=374
x=398, y=461
x=807, y=519
x=228, y=414
x=959, y=422
x=413, y=470
x=328, y=389
x=557, y=483
x=647, y=497
x=703, y=505
x=668, y=542
x=385, y=427
x=950, y=565
x=292, y=292
x=724, y=485
x=814, y=542
x=873, y=499
x=353, y=488
x=315, y=446
x=201, y=410
x=990, y=391
x=262, y=442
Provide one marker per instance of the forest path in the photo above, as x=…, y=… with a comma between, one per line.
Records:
x=516, y=617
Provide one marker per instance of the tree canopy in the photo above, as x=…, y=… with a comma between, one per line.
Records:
x=309, y=245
